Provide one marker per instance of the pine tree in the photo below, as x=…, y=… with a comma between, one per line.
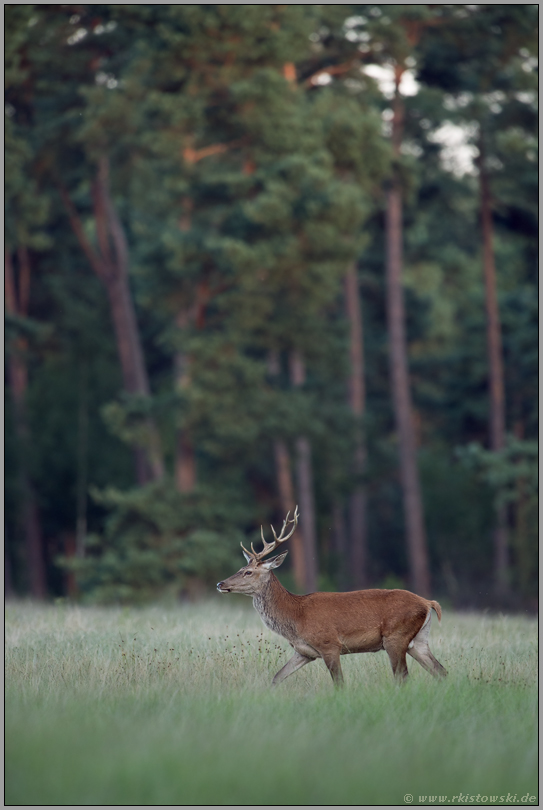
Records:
x=352, y=133
x=486, y=81
x=26, y=216
x=49, y=39
x=229, y=163
x=397, y=33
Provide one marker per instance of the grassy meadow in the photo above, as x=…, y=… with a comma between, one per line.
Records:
x=171, y=705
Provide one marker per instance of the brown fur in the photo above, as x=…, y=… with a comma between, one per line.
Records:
x=437, y=607
x=329, y=625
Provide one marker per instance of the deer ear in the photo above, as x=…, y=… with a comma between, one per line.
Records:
x=247, y=556
x=276, y=562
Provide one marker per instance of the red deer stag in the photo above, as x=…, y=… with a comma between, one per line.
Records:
x=328, y=625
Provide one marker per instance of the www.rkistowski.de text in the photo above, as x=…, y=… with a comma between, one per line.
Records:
x=473, y=798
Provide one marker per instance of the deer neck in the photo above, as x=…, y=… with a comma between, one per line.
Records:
x=278, y=608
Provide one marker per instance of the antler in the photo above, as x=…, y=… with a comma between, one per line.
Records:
x=269, y=547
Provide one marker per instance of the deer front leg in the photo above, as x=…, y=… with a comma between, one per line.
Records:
x=296, y=662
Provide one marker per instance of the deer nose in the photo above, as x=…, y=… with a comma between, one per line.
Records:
x=219, y=586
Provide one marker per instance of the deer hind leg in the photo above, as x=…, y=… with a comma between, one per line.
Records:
x=296, y=662
x=419, y=649
x=396, y=649
x=331, y=659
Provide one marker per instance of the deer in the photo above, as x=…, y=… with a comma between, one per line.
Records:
x=328, y=625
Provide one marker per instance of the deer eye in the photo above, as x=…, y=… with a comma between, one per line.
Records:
x=247, y=573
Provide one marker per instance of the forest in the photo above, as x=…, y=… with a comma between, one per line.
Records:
x=260, y=256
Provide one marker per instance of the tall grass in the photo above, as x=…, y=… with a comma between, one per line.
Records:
x=173, y=706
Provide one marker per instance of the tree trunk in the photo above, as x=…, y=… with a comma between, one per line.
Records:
x=496, y=375
x=304, y=477
x=16, y=303
x=524, y=558
x=357, y=400
x=134, y=381
x=110, y=263
x=288, y=505
x=285, y=488
x=185, y=458
x=304, y=474
x=185, y=464
x=149, y=462
x=416, y=538
x=340, y=545
x=82, y=463
x=70, y=552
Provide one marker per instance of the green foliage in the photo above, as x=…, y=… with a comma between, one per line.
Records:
x=503, y=469
x=239, y=251
x=512, y=476
x=153, y=542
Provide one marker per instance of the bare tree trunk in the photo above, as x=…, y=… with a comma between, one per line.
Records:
x=17, y=304
x=147, y=460
x=288, y=505
x=286, y=491
x=110, y=263
x=524, y=558
x=304, y=476
x=185, y=458
x=70, y=552
x=340, y=545
x=357, y=400
x=150, y=462
x=185, y=464
x=82, y=463
x=496, y=375
x=416, y=538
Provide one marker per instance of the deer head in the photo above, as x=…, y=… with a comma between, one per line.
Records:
x=252, y=577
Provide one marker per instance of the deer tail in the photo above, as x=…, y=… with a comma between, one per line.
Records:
x=437, y=607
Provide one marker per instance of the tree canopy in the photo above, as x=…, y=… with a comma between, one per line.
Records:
x=191, y=192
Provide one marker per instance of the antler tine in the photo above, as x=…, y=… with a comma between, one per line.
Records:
x=278, y=539
x=293, y=521
x=248, y=552
x=269, y=547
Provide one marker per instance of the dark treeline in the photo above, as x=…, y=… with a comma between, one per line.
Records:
x=247, y=267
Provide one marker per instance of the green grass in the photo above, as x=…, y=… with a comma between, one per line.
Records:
x=173, y=706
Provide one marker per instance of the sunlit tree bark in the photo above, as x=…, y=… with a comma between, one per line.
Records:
x=401, y=392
